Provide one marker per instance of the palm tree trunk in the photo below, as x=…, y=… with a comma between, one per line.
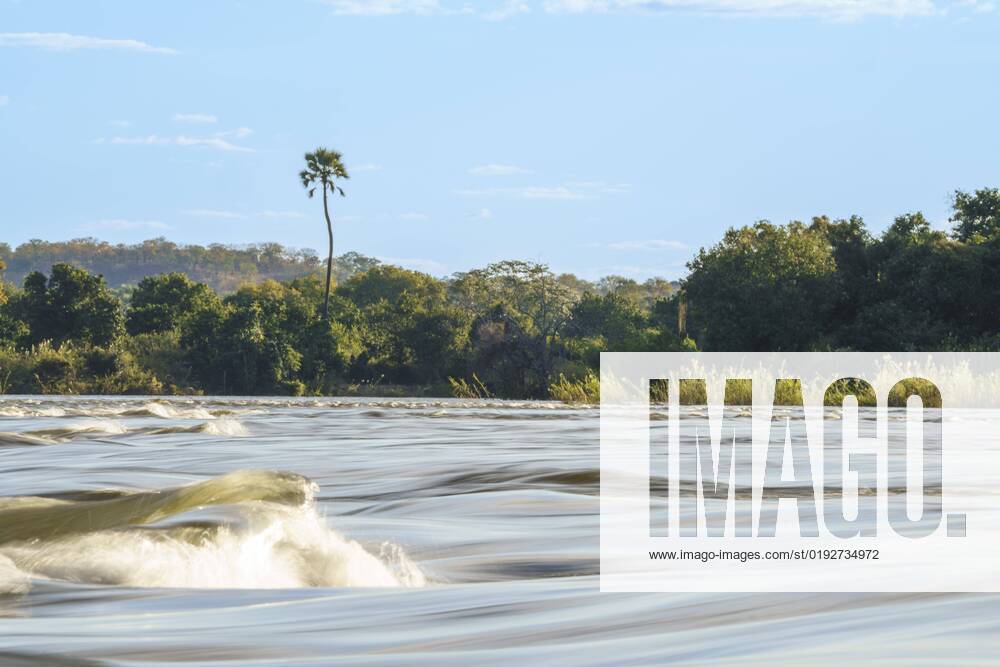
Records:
x=329, y=258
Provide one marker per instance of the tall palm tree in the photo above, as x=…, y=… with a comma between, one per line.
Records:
x=323, y=169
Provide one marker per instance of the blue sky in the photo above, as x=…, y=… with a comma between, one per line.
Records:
x=598, y=136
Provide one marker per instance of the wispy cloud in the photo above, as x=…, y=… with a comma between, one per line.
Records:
x=120, y=224
x=559, y=192
x=565, y=192
x=280, y=215
x=980, y=6
x=507, y=10
x=367, y=166
x=498, y=10
x=413, y=217
x=834, y=9
x=239, y=133
x=385, y=7
x=195, y=118
x=648, y=244
x=498, y=170
x=63, y=41
x=211, y=142
x=215, y=142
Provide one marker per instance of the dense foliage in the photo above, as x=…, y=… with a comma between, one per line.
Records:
x=832, y=285
x=511, y=329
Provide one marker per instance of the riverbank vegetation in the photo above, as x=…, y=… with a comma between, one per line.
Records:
x=512, y=329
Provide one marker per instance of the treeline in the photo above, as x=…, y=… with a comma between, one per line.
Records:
x=512, y=329
x=832, y=285
x=224, y=268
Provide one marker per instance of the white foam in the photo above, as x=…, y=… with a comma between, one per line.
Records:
x=12, y=580
x=82, y=427
x=279, y=548
x=225, y=426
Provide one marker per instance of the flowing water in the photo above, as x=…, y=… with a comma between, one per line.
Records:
x=233, y=531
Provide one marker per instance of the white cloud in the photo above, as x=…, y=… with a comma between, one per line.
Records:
x=528, y=192
x=498, y=10
x=413, y=217
x=498, y=170
x=834, y=9
x=195, y=118
x=368, y=166
x=239, y=133
x=280, y=215
x=119, y=224
x=215, y=142
x=213, y=213
x=979, y=6
x=648, y=244
x=504, y=9
x=566, y=192
x=507, y=10
x=385, y=7
x=4, y=100
x=211, y=142
x=148, y=140
x=62, y=41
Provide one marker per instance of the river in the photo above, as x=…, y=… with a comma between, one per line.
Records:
x=235, y=531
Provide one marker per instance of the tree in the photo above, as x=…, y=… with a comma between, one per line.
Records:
x=70, y=304
x=519, y=310
x=765, y=287
x=323, y=169
x=409, y=330
x=976, y=216
x=162, y=302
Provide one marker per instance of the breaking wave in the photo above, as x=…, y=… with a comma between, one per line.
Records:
x=273, y=537
x=225, y=426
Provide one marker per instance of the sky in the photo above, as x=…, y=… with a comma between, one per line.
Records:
x=596, y=136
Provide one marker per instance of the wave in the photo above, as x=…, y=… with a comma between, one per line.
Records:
x=278, y=540
x=224, y=426
x=52, y=436
x=15, y=438
x=165, y=410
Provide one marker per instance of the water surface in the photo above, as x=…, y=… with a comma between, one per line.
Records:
x=234, y=531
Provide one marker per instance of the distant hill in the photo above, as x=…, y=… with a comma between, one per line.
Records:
x=223, y=267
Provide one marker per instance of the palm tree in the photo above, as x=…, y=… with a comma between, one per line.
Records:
x=323, y=169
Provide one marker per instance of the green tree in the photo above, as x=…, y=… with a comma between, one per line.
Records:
x=162, y=302
x=410, y=332
x=323, y=169
x=765, y=287
x=519, y=310
x=70, y=304
x=976, y=216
